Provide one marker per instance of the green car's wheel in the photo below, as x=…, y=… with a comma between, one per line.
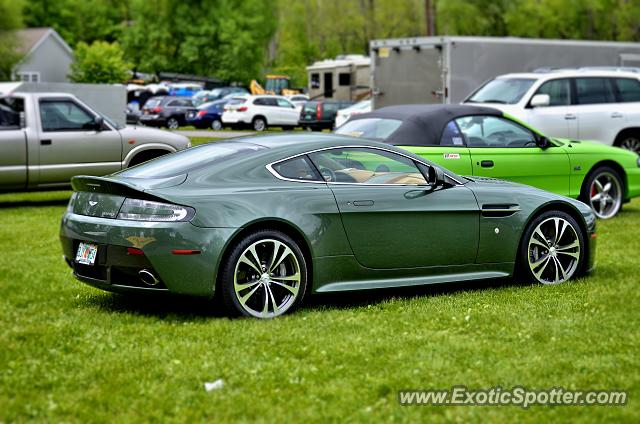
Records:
x=552, y=249
x=603, y=191
x=265, y=275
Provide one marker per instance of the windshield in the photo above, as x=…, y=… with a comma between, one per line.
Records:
x=190, y=160
x=111, y=122
x=502, y=91
x=377, y=128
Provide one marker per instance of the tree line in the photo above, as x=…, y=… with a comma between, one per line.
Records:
x=239, y=40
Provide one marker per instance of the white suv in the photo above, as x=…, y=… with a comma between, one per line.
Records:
x=579, y=104
x=260, y=112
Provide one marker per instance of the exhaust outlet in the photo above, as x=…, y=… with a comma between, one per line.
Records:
x=148, y=278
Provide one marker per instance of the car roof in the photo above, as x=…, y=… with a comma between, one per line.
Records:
x=571, y=73
x=421, y=123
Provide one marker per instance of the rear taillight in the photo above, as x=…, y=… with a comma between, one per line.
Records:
x=202, y=113
x=156, y=109
x=319, y=111
x=243, y=109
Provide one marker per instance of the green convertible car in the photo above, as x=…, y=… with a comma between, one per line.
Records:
x=482, y=141
x=262, y=221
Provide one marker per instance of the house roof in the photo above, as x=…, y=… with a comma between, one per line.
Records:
x=30, y=38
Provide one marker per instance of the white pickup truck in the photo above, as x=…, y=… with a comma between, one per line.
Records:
x=47, y=138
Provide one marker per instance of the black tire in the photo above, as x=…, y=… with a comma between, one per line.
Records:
x=216, y=125
x=227, y=280
x=568, y=264
x=259, y=124
x=586, y=195
x=629, y=140
x=173, y=123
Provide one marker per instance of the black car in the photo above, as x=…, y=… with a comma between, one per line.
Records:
x=166, y=111
x=317, y=115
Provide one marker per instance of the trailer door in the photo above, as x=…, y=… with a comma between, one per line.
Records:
x=407, y=75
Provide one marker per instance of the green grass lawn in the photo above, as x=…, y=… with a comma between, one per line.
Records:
x=71, y=353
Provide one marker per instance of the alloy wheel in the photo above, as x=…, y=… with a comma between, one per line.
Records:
x=554, y=251
x=216, y=125
x=631, y=143
x=173, y=124
x=259, y=124
x=267, y=278
x=605, y=195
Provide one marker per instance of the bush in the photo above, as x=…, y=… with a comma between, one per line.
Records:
x=100, y=62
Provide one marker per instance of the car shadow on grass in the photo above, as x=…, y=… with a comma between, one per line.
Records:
x=184, y=308
x=33, y=203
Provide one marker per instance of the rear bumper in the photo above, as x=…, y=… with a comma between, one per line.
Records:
x=117, y=270
x=235, y=119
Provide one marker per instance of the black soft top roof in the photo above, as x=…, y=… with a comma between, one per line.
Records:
x=422, y=125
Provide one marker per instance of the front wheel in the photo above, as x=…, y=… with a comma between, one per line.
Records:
x=553, y=248
x=216, y=125
x=265, y=275
x=603, y=191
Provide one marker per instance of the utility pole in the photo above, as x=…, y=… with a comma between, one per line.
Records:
x=429, y=13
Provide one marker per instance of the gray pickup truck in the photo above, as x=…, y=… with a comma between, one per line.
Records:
x=47, y=138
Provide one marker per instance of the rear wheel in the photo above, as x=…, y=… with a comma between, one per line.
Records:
x=603, y=191
x=259, y=124
x=265, y=275
x=552, y=249
x=630, y=141
x=173, y=123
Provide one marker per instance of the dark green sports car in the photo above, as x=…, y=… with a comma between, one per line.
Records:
x=263, y=221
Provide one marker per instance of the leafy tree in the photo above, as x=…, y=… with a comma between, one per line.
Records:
x=10, y=20
x=99, y=62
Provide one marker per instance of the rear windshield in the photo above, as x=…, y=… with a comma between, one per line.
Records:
x=189, y=160
x=502, y=91
x=377, y=128
x=153, y=102
x=236, y=101
x=310, y=107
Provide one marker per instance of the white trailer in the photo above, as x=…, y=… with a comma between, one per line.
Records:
x=345, y=78
x=448, y=69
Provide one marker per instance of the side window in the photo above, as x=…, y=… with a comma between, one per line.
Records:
x=64, y=115
x=315, y=80
x=451, y=135
x=10, y=110
x=593, y=91
x=628, y=89
x=558, y=91
x=271, y=101
x=259, y=101
x=173, y=103
x=285, y=103
x=297, y=169
x=362, y=165
x=344, y=79
x=493, y=131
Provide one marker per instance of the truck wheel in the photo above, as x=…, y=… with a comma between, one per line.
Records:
x=172, y=123
x=629, y=141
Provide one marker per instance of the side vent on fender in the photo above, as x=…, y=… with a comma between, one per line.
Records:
x=499, y=211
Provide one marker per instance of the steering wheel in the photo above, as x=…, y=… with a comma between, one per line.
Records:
x=328, y=175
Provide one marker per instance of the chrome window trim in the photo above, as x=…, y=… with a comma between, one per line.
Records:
x=269, y=167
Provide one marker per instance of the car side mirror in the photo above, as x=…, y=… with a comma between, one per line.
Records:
x=540, y=100
x=433, y=174
x=98, y=123
x=543, y=142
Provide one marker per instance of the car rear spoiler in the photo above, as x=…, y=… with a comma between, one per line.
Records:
x=128, y=187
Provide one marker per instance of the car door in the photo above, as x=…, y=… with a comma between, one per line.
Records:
x=628, y=97
x=13, y=145
x=555, y=120
x=392, y=218
x=599, y=117
x=501, y=148
x=70, y=144
x=288, y=112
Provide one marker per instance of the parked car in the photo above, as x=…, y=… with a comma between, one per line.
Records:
x=207, y=115
x=47, y=138
x=579, y=104
x=165, y=111
x=260, y=112
x=217, y=94
x=298, y=100
x=343, y=115
x=218, y=220
x=484, y=141
x=318, y=115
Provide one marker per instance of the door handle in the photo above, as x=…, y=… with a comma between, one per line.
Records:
x=46, y=142
x=569, y=116
x=486, y=164
x=616, y=115
x=363, y=203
